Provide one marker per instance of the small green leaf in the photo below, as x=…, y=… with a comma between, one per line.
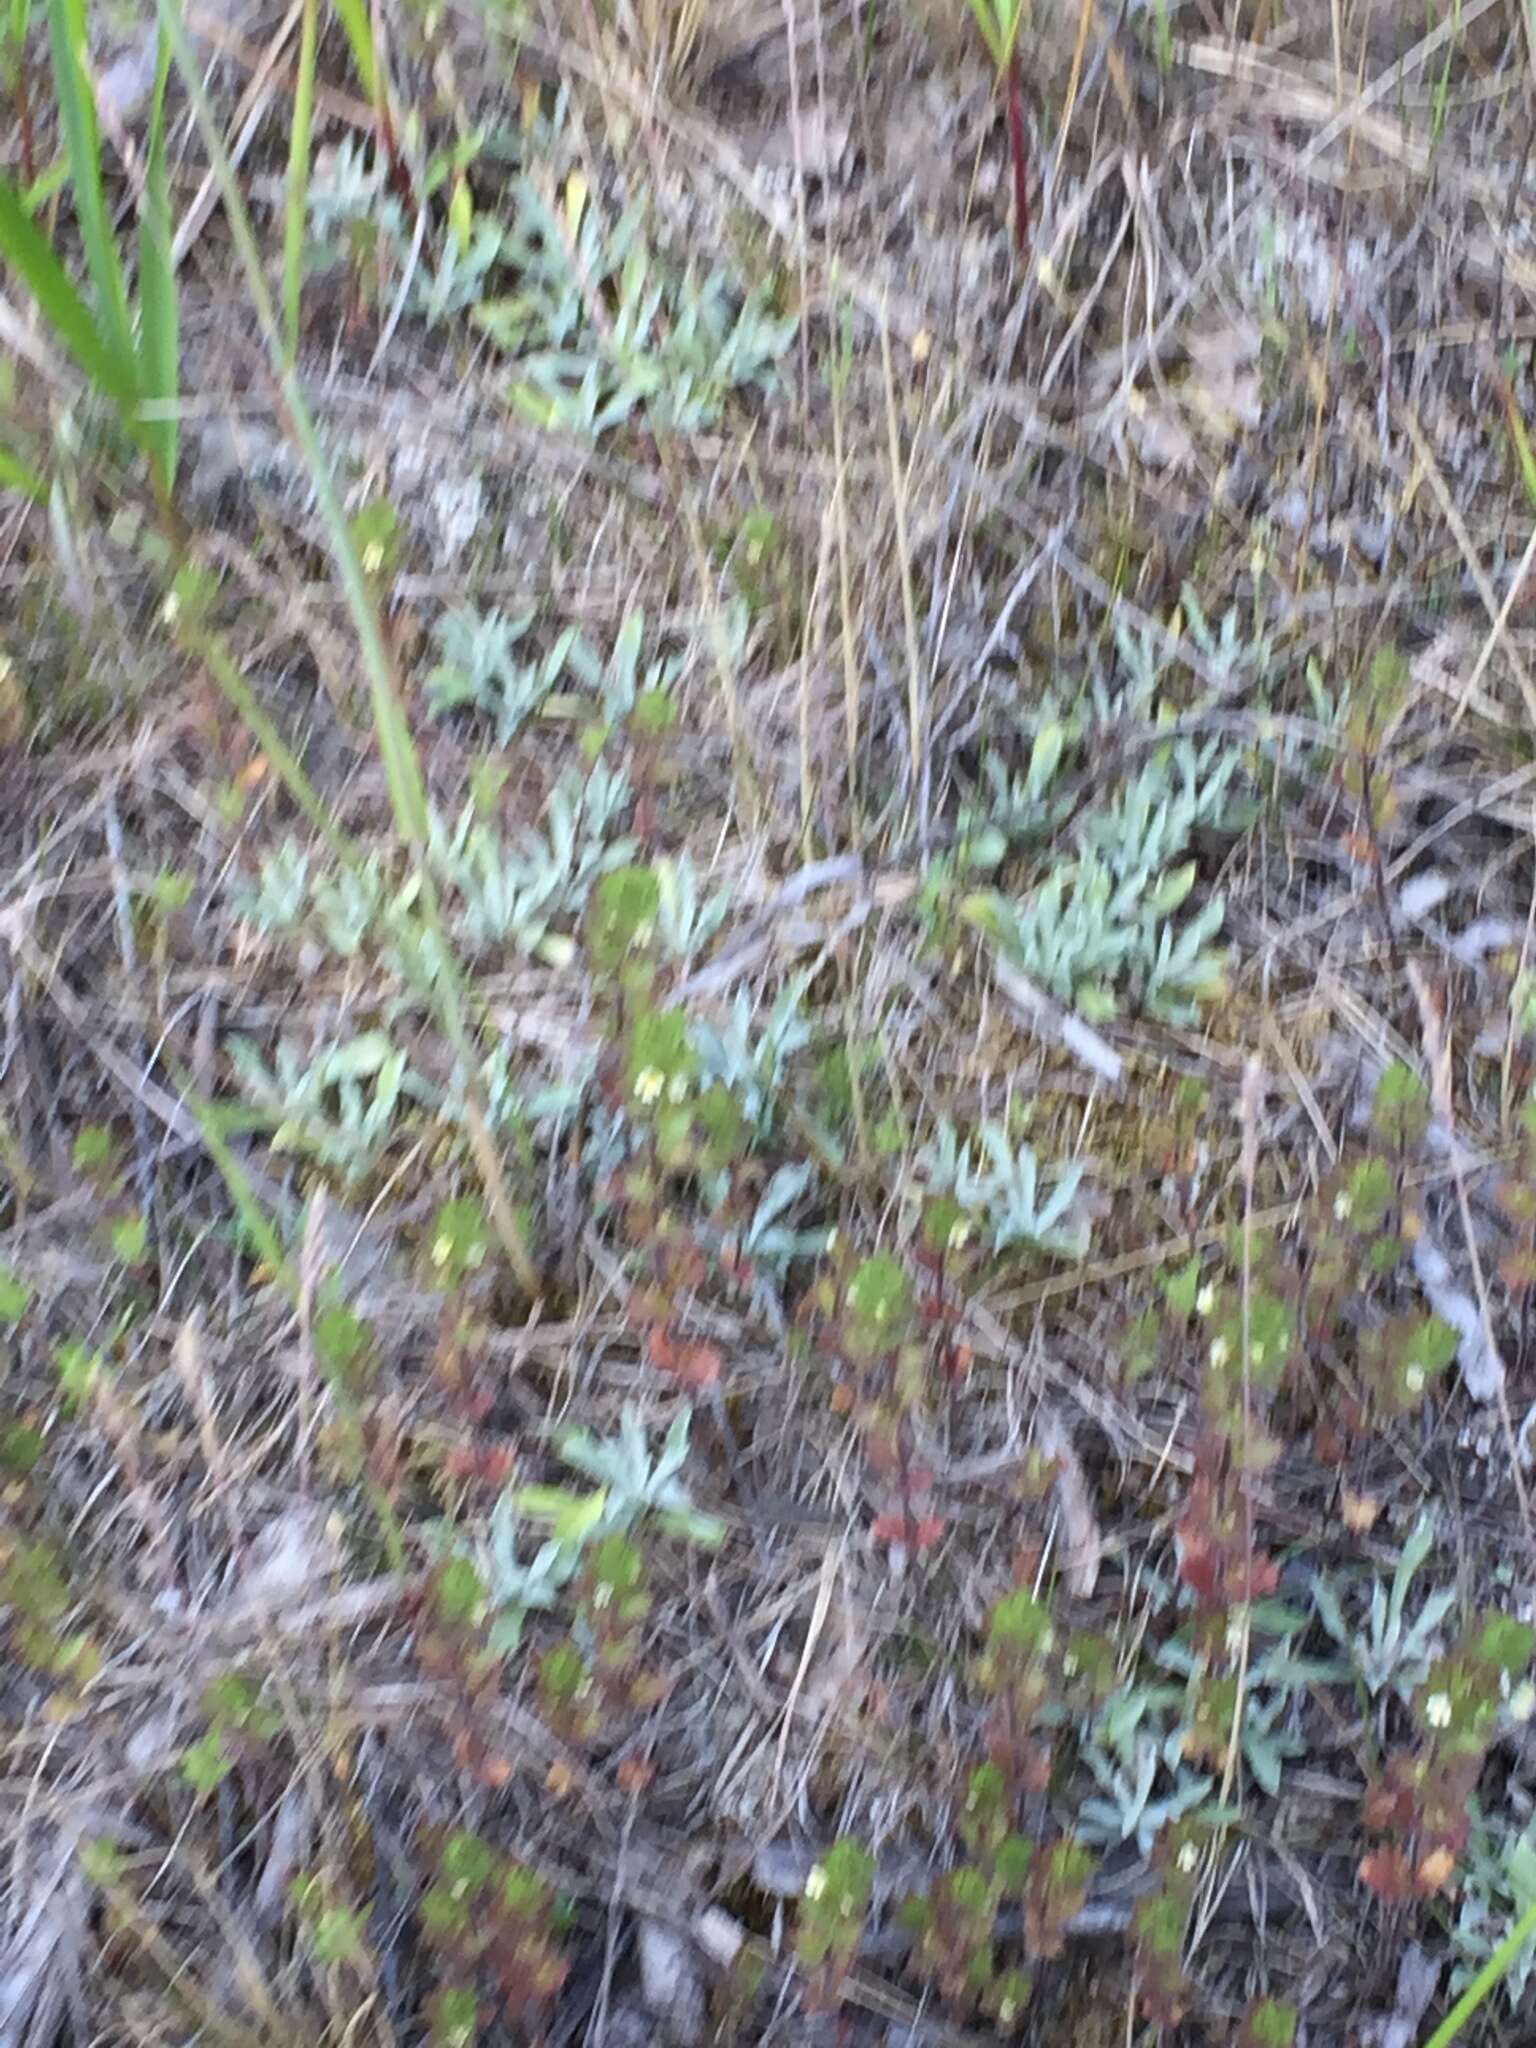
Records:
x=1172, y=890
x=78, y=1370
x=1505, y=1644
x=1400, y=1112
x=1020, y=1625
x=94, y=1149
x=625, y=907
x=1045, y=755
x=466, y=1864
x=654, y=715
x=455, y=2017
x=14, y=1295
x=1181, y=1288
x=879, y=1295
x=1269, y=2024
x=461, y=1237
x=21, y=1447
x=344, y=1344
x=102, y=1862
x=985, y=849
x=460, y=1594
x=376, y=536
x=206, y=1765
x=574, y=1515
x=130, y=1239
x=337, y=1935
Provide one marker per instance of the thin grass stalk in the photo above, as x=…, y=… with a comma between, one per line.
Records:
x=287, y=765
x=159, y=323
x=402, y=768
x=258, y=1225
x=296, y=214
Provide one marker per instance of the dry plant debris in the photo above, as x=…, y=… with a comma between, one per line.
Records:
x=767, y=1040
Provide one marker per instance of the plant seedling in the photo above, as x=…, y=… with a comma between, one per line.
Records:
x=1000, y=22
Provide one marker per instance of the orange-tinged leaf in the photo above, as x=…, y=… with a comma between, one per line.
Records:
x=1435, y=1870
x=1359, y=1511
x=560, y=1782
x=1389, y=1874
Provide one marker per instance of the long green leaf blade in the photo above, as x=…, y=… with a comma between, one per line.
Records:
x=66, y=312
x=353, y=15
x=298, y=182
x=159, y=326
x=77, y=113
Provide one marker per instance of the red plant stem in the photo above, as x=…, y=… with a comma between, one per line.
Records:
x=24, y=122
x=1019, y=150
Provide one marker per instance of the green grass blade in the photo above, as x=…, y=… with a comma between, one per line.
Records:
x=354, y=19
x=298, y=181
x=1486, y=1980
x=282, y=758
x=45, y=186
x=77, y=114
x=73, y=322
x=15, y=476
x=258, y=1226
x=407, y=785
x=159, y=328
x=402, y=767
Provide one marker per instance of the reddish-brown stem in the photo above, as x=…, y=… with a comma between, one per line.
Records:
x=1019, y=151
x=24, y=122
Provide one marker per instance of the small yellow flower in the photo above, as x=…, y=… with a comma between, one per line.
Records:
x=1205, y=1300
x=677, y=1088
x=649, y=1083
x=1189, y=1856
x=1522, y=1702
x=1343, y=1202
x=815, y=1884
x=959, y=1235
x=1413, y=1379
x=1221, y=1351
x=373, y=558
x=1437, y=1710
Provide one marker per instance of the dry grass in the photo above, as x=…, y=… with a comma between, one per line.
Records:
x=1272, y=346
